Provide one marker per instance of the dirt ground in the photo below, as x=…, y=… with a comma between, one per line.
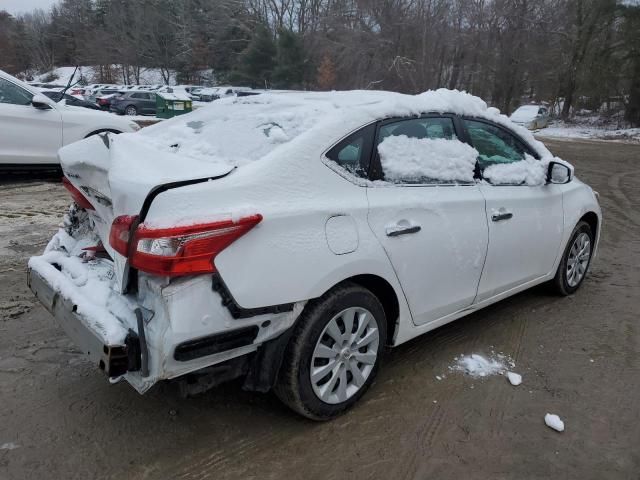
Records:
x=579, y=357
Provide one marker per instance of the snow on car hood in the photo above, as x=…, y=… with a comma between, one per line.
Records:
x=524, y=114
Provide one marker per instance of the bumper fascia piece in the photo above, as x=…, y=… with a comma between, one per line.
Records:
x=113, y=359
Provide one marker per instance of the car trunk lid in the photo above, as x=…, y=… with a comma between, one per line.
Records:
x=119, y=175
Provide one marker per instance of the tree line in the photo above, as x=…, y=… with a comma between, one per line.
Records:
x=577, y=54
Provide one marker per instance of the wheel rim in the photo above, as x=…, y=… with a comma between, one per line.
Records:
x=130, y=111
x=578, y=260
x=344, y=355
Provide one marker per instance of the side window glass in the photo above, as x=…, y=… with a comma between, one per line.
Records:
x=493, y=144
x=354, y=153
x=10, y=93
x=424, y=151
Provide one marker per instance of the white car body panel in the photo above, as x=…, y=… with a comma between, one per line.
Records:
x=448, y=250
x=524, y=247
x=31, y=136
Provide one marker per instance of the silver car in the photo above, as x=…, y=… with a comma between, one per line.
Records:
x=532, y=117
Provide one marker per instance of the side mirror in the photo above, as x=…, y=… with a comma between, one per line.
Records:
x=558, y=173
x=41, y=102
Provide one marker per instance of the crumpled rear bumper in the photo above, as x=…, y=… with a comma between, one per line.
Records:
x=115, y=358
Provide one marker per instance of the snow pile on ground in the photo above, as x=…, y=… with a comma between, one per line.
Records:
x=9, y=446
x=528, y=171
x=566, y=130
x=477, y=366
x=553, y=421
x=90, y=74
x=422, y=160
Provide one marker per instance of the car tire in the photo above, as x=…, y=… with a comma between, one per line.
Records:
x=131, y=110
x=340, y=378
x=575, y=261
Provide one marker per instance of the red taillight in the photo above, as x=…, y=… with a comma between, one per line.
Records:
x=77, y=195
x=120, y=233
x=179, y=250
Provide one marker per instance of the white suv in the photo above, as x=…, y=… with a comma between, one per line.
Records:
x=289, y=238
x=33, y=127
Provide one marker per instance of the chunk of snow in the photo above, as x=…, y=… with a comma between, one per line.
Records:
x=426, y=160
x=529, y=171
x=514, y=378
x=9, y=446
x=553, y=421
x=478, y=366
x=438, y=377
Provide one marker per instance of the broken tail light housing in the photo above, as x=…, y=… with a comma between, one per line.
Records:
x=177, y=251
x=76, y=194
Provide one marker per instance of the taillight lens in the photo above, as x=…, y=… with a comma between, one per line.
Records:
x=77, y=195
x=180, y=250
x=120, y=233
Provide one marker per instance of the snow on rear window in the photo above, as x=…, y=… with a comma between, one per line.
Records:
x=233, y=132
x=426, y=160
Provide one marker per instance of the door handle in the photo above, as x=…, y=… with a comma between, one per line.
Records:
x=398, y=230
x=501, y=215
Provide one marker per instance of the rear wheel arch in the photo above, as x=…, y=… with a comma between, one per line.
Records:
x=385, y=293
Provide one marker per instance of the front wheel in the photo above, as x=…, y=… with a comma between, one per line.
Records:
x=575, y=261
x=334, y=353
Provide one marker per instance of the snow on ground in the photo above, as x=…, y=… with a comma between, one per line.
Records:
x=478, y=366
x=420, y=160
x=514, y=378
x=553, y=421
x=567, y=130
x=148, y=76
x=9, y=446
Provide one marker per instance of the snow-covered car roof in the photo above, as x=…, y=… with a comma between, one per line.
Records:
x=238, y=130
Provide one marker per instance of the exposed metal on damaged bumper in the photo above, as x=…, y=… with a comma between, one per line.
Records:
x=114, y=360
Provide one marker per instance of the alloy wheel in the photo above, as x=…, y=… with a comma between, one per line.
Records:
x=578, y=260
x=344, y=355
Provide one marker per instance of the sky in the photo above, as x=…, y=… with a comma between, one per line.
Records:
x=21, y=6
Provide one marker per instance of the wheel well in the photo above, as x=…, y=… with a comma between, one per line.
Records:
x=103, y=130
x=592, y=219
x=387, y=296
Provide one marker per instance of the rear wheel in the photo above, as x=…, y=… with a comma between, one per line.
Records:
x=575, y=261
x=334, y=353
x=131, y=110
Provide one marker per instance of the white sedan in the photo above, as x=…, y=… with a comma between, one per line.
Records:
x=33, y=127
x=289, y=238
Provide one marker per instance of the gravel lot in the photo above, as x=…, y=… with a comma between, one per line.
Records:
x=579, y=357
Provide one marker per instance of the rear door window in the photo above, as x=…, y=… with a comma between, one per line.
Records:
x=354, y=152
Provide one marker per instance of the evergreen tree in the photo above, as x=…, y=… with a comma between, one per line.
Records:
x=256, y=63
x=290, y=61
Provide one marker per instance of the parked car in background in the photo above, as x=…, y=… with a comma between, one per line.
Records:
x=135, y=102
x=288, y=238
x=532, y=117
x=69, y=99
x=33, y=127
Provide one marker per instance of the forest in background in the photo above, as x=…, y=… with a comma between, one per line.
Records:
x=578, y=54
